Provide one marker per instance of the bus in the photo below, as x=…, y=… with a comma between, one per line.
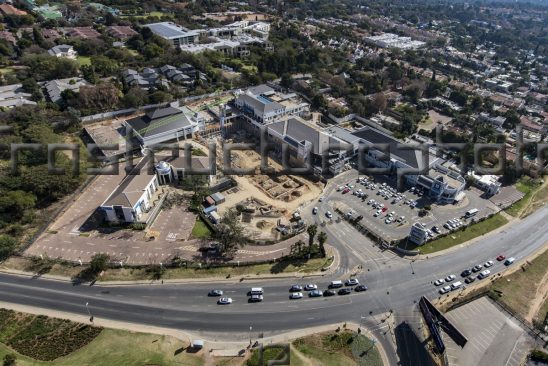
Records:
x=471, y=213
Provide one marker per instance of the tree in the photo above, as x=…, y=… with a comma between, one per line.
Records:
x=379, y=102
x=319, y=102
x=99, y=263
x=230, y=231
x=311, y=230
x=9, y=360
x=322, y=238
x=7, y=246
x=135, y=97
x=15, y=203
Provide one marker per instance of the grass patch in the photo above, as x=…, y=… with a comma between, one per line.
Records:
x=519, y=289
x=83, y=60
x=339, y=348
x=121, y=348
x=460, y=236
x=201, y=230
x=530, y=188
x=43, y=338
x=289, y=266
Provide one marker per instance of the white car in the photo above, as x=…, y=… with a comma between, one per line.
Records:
x=488, y=264
x=296, y=295
x=400, y=219
x=450, y=278
x=339, y=188
x=484, y=274
x=224, y=301
x=445, y=289
x=310, y=287
x=439, y=282
x=377, y=214
x=352, y=282
x=315, y=210
x=388, y=221
x=329, y=214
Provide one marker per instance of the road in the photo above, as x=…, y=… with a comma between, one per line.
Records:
x=394, y=284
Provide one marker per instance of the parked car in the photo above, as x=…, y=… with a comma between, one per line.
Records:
x=224, y=301
x=310, y=287
x=450, y=278
x=360, y=288
x=344, y=291
x=315, y=210
x=466, y=273
x=509, y=261
x=484, y=274
x=470, y=279
x=329, y=214
x=296, y=295
x=439, y=282
x=488, y=264
x=501, y=257
x=328, y=293
x=477, y=268
x=445, y=289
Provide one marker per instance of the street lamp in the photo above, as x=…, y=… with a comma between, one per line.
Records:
x=250, y=329
x=89, y=312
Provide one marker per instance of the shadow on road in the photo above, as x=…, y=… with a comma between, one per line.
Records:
x=411, y=351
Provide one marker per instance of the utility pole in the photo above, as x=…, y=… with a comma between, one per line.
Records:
x=89, y=312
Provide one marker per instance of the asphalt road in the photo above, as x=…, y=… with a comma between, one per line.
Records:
x=394, y=284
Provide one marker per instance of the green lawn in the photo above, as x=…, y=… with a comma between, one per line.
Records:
x=83, y=60
x=342, y=348
x=120, y=348
x=462, y=235
x=531, y=191
x=201, y=230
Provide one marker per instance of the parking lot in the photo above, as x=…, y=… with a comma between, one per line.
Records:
x=390, y=214
x=493, y=337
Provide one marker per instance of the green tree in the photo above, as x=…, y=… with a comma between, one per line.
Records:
x=230, y=231
x=9, y=360
x=311, y=230
x=15, y=203
x=99, y=263
x=322, y=238
x=7, y=246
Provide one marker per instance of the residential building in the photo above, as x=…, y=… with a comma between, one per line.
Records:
x=121, y=31
x=390, y=40
x=8, y=9
x=418, y=234
x=83, y=32
x=54, y=88
x=14, y=96
x=153, y=77
x=263, y=105
x=50, y=34
x=496, y=121
x=8, y=36
x=63, y=50
x=163, y=124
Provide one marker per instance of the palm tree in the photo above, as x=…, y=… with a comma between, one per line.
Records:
x=322, y=238
x=311, y=230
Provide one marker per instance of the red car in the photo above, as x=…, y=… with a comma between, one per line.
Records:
x=501, y=257
x=384, y=209
x=346, y=190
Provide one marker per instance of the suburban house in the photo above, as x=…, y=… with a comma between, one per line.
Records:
x=54, y=88
x=83, y=32
x=14, y=96
x=163, y=125
x=121, y=31
x=63, y=50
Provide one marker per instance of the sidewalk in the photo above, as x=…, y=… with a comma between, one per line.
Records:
x=216, y=348
x=332, y=269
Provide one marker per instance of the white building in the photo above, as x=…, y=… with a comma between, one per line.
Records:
x=418, y=234
x=174, y=33
x=63, y=50
x=490, y=184
x=391, y=40
x=263, y=105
